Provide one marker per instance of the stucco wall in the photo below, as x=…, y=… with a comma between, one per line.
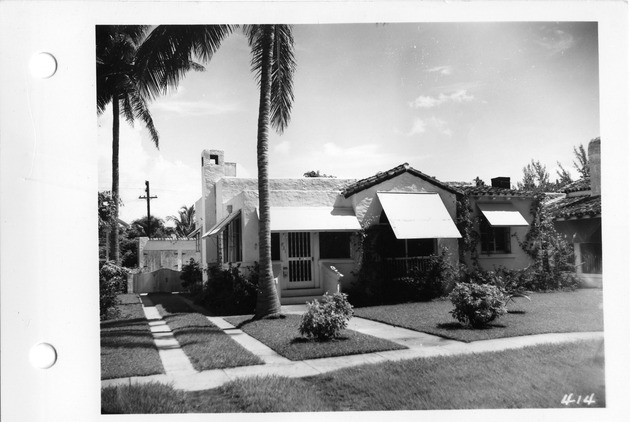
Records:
x=517, y=259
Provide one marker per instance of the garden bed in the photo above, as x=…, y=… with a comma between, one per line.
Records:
x=558, y=312
x=282, y=335
x=127, y=346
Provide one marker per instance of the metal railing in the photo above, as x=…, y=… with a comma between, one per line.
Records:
x=400, y=267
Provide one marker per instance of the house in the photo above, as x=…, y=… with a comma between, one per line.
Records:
x=316, y=223
x=579, y=216
x=501, y=217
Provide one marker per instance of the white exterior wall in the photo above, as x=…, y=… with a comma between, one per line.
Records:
x=154, y=254
x=517, y=259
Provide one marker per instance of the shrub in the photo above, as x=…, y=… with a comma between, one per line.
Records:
x=433, y=280
x=112, y=281
x=324, y=320
x=230, y=292
x=477, y=304
x=191, y=276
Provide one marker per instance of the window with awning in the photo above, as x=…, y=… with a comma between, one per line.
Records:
x=418, y=215
x=313, y=219
x=222, y=224
x=502, y=215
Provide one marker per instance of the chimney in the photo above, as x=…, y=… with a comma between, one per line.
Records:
x=595, y=166
x=501, y=182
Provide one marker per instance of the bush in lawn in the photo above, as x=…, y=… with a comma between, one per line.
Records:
x=477, y=304
x=112, y=282
x=229, y=291
x=324, y=320
x=191, y=276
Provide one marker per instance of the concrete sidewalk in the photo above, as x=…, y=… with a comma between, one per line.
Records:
x=180, y=373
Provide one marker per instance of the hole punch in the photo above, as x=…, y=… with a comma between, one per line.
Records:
x=43, y=356
x=43, y=65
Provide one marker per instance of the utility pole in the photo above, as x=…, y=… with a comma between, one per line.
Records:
x=148, y=198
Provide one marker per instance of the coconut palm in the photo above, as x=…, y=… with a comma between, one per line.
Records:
x=117, y=78
x=185, y=222
x=273, y=63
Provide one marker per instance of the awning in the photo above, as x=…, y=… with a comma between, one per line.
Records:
x=502, y=215
x=316, y=219
x=418, y=215
x=221, y=224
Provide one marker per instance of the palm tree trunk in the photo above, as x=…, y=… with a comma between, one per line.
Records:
x=114, y=247
x=267, y=302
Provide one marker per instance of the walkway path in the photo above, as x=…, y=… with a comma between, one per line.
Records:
x=180, y=373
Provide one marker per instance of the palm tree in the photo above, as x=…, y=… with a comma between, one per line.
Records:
x=118, y=81
x=185, y=222
x=273, y=63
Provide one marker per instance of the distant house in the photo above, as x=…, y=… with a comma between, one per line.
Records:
x=579, y=216
x=315, y=223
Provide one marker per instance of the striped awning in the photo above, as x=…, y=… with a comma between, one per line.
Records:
x=217, y=228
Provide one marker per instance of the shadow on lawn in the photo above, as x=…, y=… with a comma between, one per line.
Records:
x=453, y=326
x=301, y=340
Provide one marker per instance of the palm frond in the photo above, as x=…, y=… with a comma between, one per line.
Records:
x=166, y=55
x=283, y=69
x=280, y=39
x=141, y=112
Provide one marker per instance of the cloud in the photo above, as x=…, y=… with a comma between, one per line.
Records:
x=283, y=147
x=420, y=126
x=192, y=108
x=460, y=96
x=442, y=70
x=556, y=42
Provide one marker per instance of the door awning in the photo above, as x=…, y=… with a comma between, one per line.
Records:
x=221, y=224
x=418, y=215
x=316, y=219
x=502, y=215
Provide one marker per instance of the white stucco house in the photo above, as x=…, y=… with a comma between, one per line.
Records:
x=315, y=223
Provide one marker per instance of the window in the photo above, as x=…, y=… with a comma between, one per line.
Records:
x=275, y=246
x=494, y=240
x=334, y=245
x=232, y=250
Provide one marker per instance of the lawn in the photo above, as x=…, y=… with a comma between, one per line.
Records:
x=206, y=345
x=558, y=312
x=282, y=335
x=127, y=347
x=532, y=377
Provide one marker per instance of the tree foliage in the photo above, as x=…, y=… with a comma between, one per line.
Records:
x=314, y=173
x=581, y=161
x=184, y=222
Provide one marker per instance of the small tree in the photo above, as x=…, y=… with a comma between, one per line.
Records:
x=552, y=254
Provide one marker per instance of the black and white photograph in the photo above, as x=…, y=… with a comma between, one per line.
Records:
x=344, y=211
x=338, y=217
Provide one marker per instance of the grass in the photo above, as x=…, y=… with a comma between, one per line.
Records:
x=532, y=377
x=206, y=345
x=558, y=312
x=147, y=398
x=282, y=336
x=127, y=347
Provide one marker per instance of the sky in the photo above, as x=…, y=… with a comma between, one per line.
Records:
x=454, y=100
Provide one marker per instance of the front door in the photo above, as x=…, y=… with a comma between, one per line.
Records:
x=300, y=261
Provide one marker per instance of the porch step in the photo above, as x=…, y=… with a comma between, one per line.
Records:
x=298, y=300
